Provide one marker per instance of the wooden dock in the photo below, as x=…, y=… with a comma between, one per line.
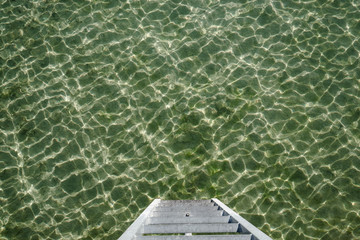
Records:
x=191, y=220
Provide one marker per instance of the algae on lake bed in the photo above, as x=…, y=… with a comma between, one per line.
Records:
x=106, y=105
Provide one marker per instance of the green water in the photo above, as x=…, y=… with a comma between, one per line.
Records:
x=106, y=105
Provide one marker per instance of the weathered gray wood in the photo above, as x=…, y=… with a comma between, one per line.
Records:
x=186, y=204
x=186, y=208
x=198, y=237
x=179, y=202
x=135, y=227
x=167, y=220
x=245, y=226
x=190, y=217
x=183, y=214
x=191, y=228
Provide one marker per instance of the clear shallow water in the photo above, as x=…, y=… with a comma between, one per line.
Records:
x=106, y=105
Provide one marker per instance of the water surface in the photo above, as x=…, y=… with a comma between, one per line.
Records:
x=107, y=105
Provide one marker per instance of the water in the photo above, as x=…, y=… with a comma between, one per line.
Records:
x=106, y=105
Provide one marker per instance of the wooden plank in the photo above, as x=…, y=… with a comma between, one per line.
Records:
x=135, y=227
x=245, y=226
x=191, y=216
x=206, y=201
x=198, y=237
x=184, y=213
x=191, y=228
x=167, y=220
x=186, y=208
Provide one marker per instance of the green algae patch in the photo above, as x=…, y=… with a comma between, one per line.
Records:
x=72, y=184
x=319, y=125
x=105, y=106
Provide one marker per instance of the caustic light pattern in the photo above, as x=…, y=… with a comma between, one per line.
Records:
x=106, y=105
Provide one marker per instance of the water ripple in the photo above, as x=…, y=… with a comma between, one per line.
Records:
x=106, y=105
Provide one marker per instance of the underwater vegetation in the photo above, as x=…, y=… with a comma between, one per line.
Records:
x=107, y=105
